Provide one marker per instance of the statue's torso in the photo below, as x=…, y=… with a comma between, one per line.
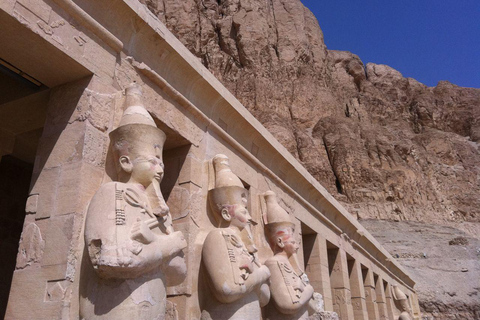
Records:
x=293, y=284
x=111, y=218
x=241, y=264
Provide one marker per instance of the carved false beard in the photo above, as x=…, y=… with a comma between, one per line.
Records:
x=159, y=206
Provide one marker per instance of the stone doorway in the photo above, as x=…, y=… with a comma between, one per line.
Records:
x=23, y=102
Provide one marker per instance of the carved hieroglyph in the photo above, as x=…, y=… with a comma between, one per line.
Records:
x=401, y=301
x=131, y=248
x=289, y=286
x=236, y=278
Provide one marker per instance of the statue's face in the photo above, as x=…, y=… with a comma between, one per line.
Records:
x=240, y=217
x=290, y=244
x=405, y=306
x=284, y=239
x=147, y=167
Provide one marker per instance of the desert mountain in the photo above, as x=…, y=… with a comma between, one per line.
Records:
x=386, y=146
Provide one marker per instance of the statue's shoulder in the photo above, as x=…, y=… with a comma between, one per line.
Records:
x=218, y=238
x=105, y=196
x=108, y=190
x=112, y=186
x=274, y=261
x=214, y=236
x=214, y=247
x=101, y=212
x=104, y=189
x=284, y=267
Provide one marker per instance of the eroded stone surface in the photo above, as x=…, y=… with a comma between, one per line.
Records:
x=445, y=292
x=31, y=247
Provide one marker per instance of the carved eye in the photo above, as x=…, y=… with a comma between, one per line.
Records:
x=156, y=161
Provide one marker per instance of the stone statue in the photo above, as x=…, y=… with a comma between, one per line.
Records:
x=289, y=285
x=235, y=276
x=401, y=301
x=132, y=249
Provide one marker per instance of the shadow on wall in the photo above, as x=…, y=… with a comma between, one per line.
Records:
x=14, y=183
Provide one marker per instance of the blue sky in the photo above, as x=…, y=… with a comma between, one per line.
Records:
x=429, y=40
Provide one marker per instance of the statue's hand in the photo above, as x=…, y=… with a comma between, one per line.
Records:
x=176, y=241
x=316, y=304
x=304, y=278
x=141, y=231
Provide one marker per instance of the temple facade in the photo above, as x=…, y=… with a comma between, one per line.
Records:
x=66, y=65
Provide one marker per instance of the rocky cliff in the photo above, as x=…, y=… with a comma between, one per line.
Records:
x=387, y=147
x=444, y=261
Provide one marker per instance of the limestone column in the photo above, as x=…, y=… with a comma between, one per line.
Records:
x=340, y=283
x=415, y=306
x=184, y=174
x=380, y=293
x=370, y=295
x=317, y=268
x=358, y=291
x=69, y=168
x=389, y=300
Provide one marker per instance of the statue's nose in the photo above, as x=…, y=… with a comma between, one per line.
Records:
x=159, y=168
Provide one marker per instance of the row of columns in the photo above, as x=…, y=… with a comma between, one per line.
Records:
x=348, y=288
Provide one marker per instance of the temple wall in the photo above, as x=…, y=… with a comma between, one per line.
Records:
x=87, y=52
